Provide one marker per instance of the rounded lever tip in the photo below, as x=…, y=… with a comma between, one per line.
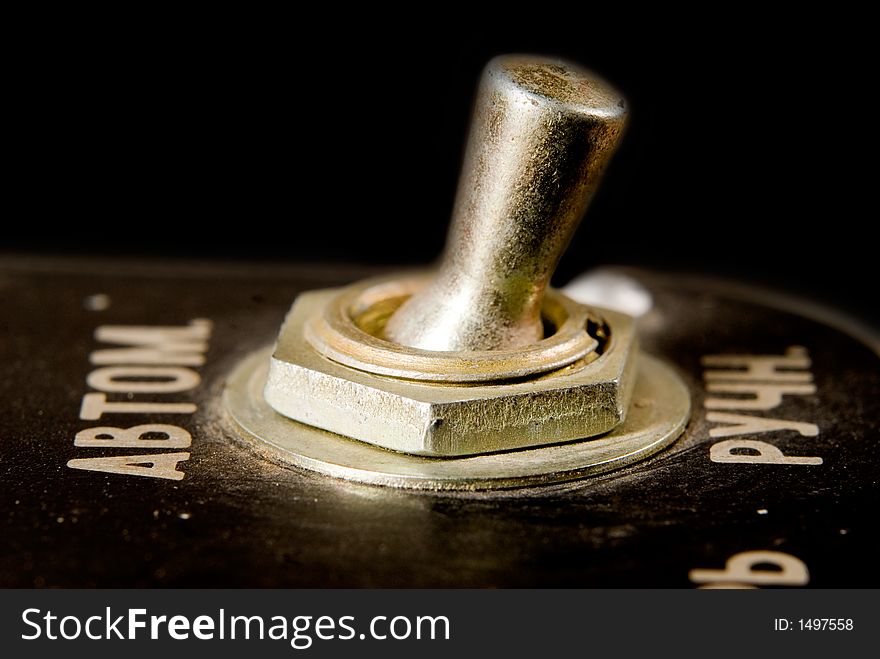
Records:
x=542, y=132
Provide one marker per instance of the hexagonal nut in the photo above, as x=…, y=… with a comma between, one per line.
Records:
x=443, y=419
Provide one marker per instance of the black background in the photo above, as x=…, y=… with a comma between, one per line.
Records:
x=286, y=138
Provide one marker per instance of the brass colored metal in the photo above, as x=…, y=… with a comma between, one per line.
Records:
x=658, y=416
x=482, y=364
x=447, y=419
x=349, y=329
x=459, y=364
x=543, y=131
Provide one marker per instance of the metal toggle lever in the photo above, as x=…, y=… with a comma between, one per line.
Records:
x=543, y=131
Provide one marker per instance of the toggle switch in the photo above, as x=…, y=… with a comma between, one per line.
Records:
x=542, y=134
x=163, y=429
x=477, y=374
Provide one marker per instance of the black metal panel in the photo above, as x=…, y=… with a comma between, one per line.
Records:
x=237, y=520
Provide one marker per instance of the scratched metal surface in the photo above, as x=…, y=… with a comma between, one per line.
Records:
x=236, y=520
